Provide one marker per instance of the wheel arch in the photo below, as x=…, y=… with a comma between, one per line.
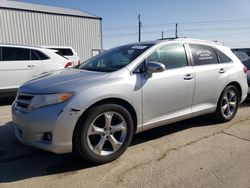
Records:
x=237, y=85
x=117, y=101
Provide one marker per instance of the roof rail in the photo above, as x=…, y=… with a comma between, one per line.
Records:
x=171, y=38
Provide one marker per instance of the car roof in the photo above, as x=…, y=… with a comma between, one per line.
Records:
x=21, y=46
x=45, y=50
x=182, y=39
x=59, y=47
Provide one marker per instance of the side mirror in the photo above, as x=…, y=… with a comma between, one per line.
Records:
x=154, y=67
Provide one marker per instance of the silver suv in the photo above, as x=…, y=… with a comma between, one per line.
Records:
x=97, y=108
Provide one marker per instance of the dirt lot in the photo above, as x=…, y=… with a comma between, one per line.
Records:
x=192, y=153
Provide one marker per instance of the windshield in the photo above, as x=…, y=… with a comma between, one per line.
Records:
x=247, y=64
x=241, y=55
x=245, y=59
x=115, y=59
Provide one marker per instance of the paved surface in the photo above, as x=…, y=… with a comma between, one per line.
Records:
x=193, y=153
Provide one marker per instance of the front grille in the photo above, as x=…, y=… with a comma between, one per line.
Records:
x=23, y=101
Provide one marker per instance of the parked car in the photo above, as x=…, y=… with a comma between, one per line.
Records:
x=66, y=51
x=19, y=64
x=245, y=59
x=246, y=50
x=97, y=108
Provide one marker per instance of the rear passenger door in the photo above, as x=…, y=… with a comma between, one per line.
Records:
x=210, y=77
x=17, y=66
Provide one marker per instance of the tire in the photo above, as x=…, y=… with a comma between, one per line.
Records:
x=228, y=104
x=104, y=133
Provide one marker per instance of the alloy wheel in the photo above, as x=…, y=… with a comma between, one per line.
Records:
x=107, y=133
x=229, y=103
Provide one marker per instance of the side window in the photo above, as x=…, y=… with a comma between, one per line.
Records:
x=41, y=55
x=203, y=55
x=0, y=53
x=222, y=57
x=33, y=55
x=172, y=56
x=63, y=51
x=15, y=54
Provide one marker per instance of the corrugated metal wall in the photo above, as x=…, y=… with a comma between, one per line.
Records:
x=38, y=29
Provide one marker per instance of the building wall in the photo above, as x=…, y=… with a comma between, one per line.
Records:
x=40, y=29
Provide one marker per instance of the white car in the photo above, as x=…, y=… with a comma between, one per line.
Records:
x=19, y=64
x=66, y=51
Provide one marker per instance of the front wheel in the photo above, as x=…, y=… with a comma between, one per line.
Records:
x=228, y=104
x=104, y=134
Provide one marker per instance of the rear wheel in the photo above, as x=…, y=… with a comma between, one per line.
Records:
x=104, y=134
x=228, y=104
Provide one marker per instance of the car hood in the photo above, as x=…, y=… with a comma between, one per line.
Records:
x=63, y=80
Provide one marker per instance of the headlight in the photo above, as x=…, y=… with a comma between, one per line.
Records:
x=45, y=100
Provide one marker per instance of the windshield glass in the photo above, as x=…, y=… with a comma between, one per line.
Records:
x=242, y=55
x=247, y=64
x=115, y=59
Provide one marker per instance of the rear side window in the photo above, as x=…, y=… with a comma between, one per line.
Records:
x=63, y=51
x=172, y=56
x=203, y=55
x=15, y=54
x=33, y=55
x=222, y=57
x=41, y=55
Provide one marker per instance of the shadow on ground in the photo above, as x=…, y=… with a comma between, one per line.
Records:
x=19, y=162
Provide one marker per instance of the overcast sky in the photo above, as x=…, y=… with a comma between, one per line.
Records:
x=227, y=21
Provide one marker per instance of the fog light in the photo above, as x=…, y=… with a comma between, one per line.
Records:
x=47, y=137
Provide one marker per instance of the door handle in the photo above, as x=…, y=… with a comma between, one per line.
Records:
x=222, y=70
x=31, y=66
x=188, y=76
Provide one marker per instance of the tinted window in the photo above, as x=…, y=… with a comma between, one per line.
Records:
x=172, y=56
x=222, y=57
x=203, y=55
x=15, y=54
x=241, y=55
x=244, y=58
x=114, y=59
x=247, y=64
x=33, y=55
x=0, y=53
x=63, y=51
x=41, y=55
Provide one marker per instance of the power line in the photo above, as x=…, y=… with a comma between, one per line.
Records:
x=173, y=23
x=183, y=30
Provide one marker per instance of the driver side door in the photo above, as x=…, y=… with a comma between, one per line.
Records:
x=167, y=96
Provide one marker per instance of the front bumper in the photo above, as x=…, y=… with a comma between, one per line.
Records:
x=59, y=120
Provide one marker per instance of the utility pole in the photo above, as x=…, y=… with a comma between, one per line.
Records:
x=162, y=35
x=139, y=19
x=176, y=30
